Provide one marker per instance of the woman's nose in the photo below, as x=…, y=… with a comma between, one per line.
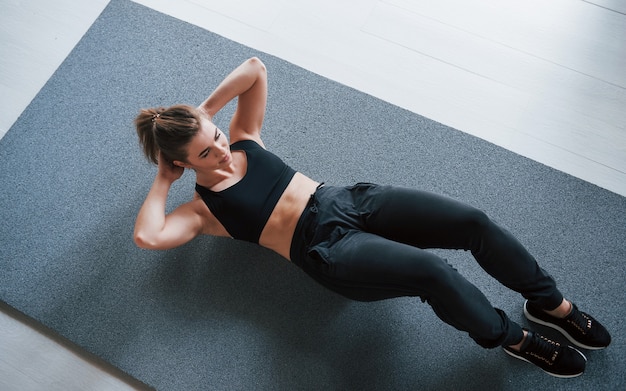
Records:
x=220, y=150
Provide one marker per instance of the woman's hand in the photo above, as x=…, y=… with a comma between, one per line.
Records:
x=169, y=171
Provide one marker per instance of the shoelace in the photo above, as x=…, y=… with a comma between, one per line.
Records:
x=544, y=349
x=580, y=320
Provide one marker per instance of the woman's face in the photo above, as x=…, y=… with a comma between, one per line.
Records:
x=209, y=149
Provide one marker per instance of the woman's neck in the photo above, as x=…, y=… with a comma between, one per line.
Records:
x=219, y=179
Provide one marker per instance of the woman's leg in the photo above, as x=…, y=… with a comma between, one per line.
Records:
x=366, y=246
x=427, y=220
x=363, y=266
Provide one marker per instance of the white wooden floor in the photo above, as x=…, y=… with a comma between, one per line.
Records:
x=544, y=79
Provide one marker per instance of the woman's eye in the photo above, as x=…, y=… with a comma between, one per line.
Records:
x=217, y=134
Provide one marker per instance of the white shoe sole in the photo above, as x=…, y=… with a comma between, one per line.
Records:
x=549, y=373
x=560, y=330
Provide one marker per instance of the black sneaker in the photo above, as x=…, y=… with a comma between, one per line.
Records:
x=580, y=328
x=551, y=356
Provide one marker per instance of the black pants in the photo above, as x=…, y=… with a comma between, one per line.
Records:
x=366, y=242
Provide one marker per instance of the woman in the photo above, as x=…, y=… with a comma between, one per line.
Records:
x=365, y=241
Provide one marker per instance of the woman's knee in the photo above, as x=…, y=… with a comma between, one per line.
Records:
x=440, y=276
x=477, y=219
x=480, y=228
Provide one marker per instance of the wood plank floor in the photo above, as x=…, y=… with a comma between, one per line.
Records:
x=546, y=80
x=33, y=357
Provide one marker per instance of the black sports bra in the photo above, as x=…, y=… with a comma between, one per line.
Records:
x=244, y=208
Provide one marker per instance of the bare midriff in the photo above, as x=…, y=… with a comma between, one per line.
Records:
x=281, y=225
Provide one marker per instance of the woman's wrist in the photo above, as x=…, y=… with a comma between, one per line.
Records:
x=163, y=180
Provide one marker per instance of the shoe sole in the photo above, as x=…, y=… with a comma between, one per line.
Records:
x=560, y=330
x=512, y=354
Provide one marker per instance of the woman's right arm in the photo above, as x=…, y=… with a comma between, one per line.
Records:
x=153, y=228
x=247, y=83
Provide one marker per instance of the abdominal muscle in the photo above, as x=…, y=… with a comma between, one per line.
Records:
x=281, y=225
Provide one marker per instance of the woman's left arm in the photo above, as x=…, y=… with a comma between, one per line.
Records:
x=248, y=83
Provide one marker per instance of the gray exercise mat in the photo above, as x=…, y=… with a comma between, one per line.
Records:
x=218, y=314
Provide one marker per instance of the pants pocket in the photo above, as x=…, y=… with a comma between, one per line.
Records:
x=320, y=263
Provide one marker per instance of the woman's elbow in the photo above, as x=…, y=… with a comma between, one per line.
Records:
x=144, y=241
x=257, y=64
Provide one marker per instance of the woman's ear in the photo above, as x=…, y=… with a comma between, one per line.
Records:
x=181, y=164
